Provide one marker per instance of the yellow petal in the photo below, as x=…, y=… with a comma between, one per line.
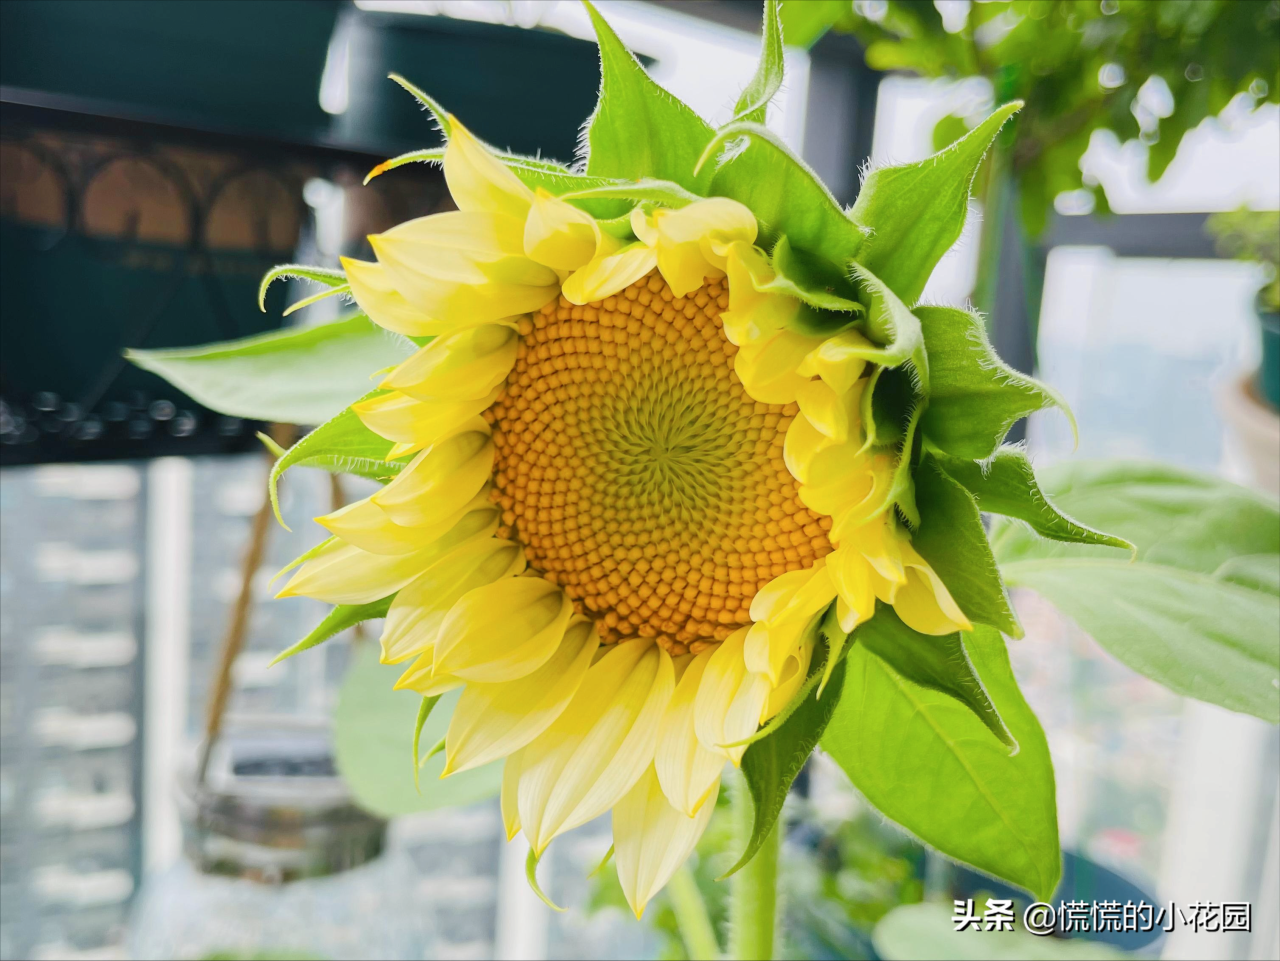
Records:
x=693, y=241
x=558, y=234
x=754, y=314
x=418, y=611
x=771, y=641
x=493, y=720
x=465, y=248
x=923, y=602
x=422, y=679
x=791, y=679
x=853, y=506
x=605, y=276
x=478, y=180
x=439, y=480
x=839, y=360
x=415, y=424
x=834, y=415
x=841, y=476
x=730, y=699
x=851, y=575
x=600, y=746
x=510, y=795
x=651, y=839
x=367, y=526
x=344, y=574
x=463, y=365
x=687, y=771
x=375, y=294
x=768, y=369
x=503, y=630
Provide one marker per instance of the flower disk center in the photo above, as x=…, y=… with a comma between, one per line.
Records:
x=639, y=475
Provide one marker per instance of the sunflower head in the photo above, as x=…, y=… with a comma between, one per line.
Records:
x=672, y=433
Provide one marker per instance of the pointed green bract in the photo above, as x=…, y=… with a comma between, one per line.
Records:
x=771, y=765
x=424, y=712
x=813, y=281
x=638, y=129
x=952, y=539
x=891, y=323
x=913, y=214
x=335, y=622
x=1006, y=484
x=663, y=192
x=785, y=195
x=936, y=662
x=927, y=762
x=328, y=276
x=974, y=397
x=754, y=102
x=438, y=113
x=342, y=445
x=299, y=375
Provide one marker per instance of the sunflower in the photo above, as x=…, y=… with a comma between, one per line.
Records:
x=633, y=489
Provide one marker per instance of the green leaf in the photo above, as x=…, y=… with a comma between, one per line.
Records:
x=770, y=765
x=954, y=542
x=815, y=282
x=754, y=102
x=1006, y=484
x=340, y=445
x=786, y=196
x=928, y=763
x=638, y=129
x=663, y=192
x=335, y=622
x=936, y=662
x=805, y=21
x=914, y=213
x=891, y=323
x=373, y=731
x=1174, y=517
x=912, y=931
x=974, y=397
x=300, y=375
x=1196, y=611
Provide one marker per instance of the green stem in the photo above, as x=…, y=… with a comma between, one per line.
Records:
x=695, y=926
x=753, y=898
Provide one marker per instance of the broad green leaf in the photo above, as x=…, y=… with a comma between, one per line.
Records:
x=1196, y=611
x=954, y=542
x=754, y=102
x=786, y=196
x=974, y=397
x=928, y=763
x=1006, y=484
x=342, y=445
x=938, y=663
x=914, y=213
x=920, y=932
x=1173, y=516
x=1258, y=572
x=771, y=764
x=1210, y=639
x=300, y=375
x=638, y=129
x=335, y=622
x=373, y=732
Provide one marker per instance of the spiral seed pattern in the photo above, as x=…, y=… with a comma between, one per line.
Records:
x=638, y=473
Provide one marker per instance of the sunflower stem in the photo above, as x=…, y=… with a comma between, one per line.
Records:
x=753, y=897
x=696, y=930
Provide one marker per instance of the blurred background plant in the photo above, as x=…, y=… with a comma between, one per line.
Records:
x=1128, y=69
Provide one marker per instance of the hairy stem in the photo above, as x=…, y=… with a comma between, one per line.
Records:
x=753, y=897
x=696, y=930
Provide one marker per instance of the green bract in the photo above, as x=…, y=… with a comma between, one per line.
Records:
x=931, y=729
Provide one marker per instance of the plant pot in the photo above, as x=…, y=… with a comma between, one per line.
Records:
x=1269, y=372
x=1255, y=427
